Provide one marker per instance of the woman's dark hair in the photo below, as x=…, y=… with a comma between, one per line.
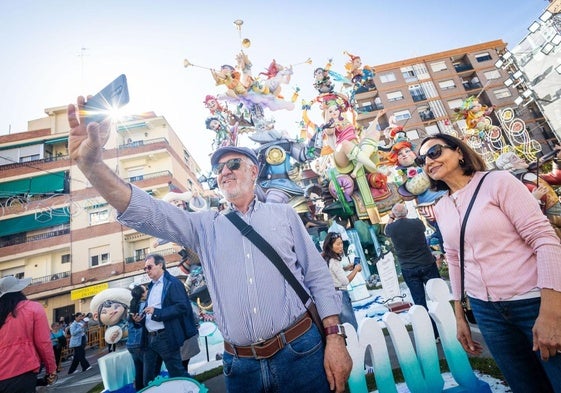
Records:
x=8, y=304
x=328, y=252
x=136, y=294
x=471, y=161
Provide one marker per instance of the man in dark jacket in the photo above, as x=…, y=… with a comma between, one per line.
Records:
x=417, y=263
x=168, y=323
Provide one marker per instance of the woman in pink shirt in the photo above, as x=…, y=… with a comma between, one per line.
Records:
x=512, y=264
x=25, y=339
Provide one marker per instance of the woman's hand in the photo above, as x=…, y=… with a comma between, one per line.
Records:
x=547, y=329
x=464, y=332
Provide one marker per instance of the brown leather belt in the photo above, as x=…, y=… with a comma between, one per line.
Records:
x=266, y=349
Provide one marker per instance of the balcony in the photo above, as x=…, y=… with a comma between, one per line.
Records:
x=138, y=178
x=51, y=277
x=141, y=256
x=139, y=143
x=22, y=238
x=35, y=162
x=463, y=67
x=472, y=85
x=418, y=97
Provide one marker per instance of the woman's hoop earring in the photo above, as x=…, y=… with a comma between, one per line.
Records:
x=462, y=162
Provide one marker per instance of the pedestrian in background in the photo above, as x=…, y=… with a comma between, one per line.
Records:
x=333, y=254
x=25, y=342
x=78, y=340
x=168, y=320
x=58, y=339
x=134, y=338
x=418, y=264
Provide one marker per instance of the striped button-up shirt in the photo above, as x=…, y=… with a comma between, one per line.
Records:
x=251, y=299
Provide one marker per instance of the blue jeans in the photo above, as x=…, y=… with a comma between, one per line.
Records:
x=298, y=367
x=507, y=330
x=137, y=355
x=347, y=312
x=159, y=347
x=416, y=279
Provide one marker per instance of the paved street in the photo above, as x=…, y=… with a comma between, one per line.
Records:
x=83, y=382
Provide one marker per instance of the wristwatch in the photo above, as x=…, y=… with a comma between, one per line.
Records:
x=335, y=329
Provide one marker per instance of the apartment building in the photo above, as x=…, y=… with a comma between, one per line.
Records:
x=56, y=229
x=423, y=92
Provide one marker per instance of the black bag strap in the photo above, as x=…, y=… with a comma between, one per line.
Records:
x=462, y=233
x=264, y=246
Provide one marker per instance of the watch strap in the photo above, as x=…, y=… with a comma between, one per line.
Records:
x=335, y=329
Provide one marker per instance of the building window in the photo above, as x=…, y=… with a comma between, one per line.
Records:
x=136, y=173
x=65, y=258
x=432, y=130
x=502, y=93
x=408, y=74
x=387, y=77
x=447, y=84
x=483, y=57
x=99, y=217
x=402, y=115
x=99, y=259
x=32, y=157
x=453, y=104
x=139, y=255
x=395, y=96
x=493, y=74
x=438, y=66
x=412, y=135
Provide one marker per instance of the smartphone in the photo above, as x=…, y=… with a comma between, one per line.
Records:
x=111, y=97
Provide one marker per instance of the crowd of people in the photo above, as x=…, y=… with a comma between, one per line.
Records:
x=505, y=260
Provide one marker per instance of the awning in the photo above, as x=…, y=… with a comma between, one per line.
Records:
x=44, y=184
x=33, y=222
x=58, y=140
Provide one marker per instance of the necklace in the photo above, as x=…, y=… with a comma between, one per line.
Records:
x=455, y=195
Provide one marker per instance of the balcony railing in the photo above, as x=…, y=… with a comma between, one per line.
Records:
x=142, y=143
x=463, y=67
x=153, y=175
x=26, y=239
x=141, y=256
x=471, y=86
x=51, y=277
x=418, y=97
x=35, y=162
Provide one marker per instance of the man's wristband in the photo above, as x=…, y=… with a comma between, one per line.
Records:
x=335, y=329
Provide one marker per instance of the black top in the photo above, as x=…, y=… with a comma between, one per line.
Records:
x=410, y=244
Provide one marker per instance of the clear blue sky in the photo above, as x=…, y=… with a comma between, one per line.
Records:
x=41, y=45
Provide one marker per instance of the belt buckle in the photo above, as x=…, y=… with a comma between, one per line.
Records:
x=252, y=346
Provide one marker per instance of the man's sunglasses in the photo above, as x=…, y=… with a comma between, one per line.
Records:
x=433, y=153
x=232, y=164
x=147, y=268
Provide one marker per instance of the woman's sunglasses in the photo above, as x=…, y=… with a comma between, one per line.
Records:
x=231, y=164
x=433, y=153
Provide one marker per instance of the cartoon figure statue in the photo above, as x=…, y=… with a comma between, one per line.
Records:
x=349, y=152
x=275, y=154
x=225, y=136
x=539, y=186
x=476, y=115
x=322, y=80
x=110, y=307
x=231, y=78
x=361, y=77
